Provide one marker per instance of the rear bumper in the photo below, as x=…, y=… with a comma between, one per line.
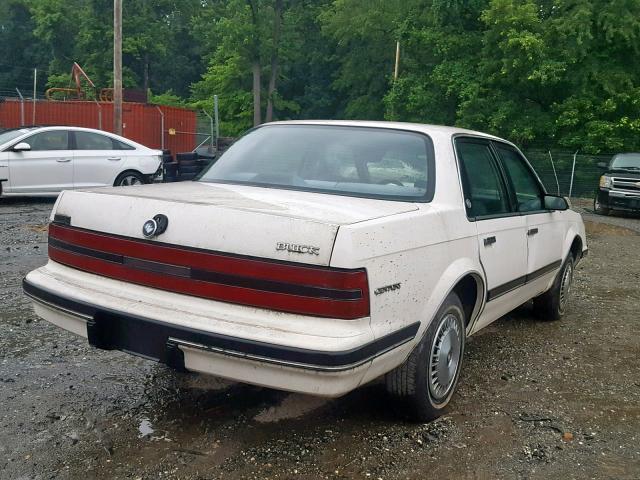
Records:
x=619, y=200
x=313, y=371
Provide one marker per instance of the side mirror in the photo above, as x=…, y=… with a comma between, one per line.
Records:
x=553, y=202
x=21, y=147
x=603, y=165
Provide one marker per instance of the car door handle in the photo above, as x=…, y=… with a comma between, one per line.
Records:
x=114, y=159
x=532, y=232
x=63, y=160
x=489, y=241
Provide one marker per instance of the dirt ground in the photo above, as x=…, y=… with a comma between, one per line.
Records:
x=536, y=400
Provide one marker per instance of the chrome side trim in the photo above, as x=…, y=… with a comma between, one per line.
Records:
x=284, y=363
x=53, y=306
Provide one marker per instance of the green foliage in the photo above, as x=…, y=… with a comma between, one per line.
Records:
x=167, y=98
x=20, y=52
x=551, y=73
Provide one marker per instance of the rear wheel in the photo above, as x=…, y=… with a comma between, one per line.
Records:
x=598, y=208
x=126, y=179
x=552, y=304
x=428, y=378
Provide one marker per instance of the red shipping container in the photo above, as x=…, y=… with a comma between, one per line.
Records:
x=155, y=126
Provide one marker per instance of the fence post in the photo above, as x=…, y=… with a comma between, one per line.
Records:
x=21, y=107
x=554, y=172
x=161, y=127
x=99, y=114
x=35, y=79
x=573, y=169
x=215, y=113
x=210, y=131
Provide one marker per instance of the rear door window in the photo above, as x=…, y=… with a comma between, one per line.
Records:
x=92, y=141
x=483, y=185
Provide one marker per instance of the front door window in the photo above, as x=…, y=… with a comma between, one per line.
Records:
x=51, y=140
x=525, y=184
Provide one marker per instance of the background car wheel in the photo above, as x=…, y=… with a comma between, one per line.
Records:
x=126, y=179
x=552, y=304
x=428, y=378
x=598, y=208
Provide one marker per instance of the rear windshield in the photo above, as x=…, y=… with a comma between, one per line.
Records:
x=358, y=161
x=626, y=160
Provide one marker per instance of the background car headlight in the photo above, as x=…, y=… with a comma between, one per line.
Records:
x=606, y=181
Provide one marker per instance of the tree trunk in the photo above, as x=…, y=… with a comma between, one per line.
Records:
x=255, y=67
x=277, y=24
x=146, y=74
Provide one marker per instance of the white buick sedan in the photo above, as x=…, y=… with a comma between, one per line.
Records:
x=316, y=257
x=43, y=161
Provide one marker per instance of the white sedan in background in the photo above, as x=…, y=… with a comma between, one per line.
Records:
x=43, y=161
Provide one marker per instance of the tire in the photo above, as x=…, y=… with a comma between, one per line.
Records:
x=186, y=177
x=188, y=156
x=187, y=163
x=170, y=169
x=129, y=178
x=425, y=395
x=183, y=170
x=598, y=208
x=552, y=304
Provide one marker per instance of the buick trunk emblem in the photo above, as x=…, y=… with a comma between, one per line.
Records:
x=156, y=226
x=294, y=248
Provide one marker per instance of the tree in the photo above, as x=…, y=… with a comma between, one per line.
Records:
x=20, y=52
x=252, y=39
x=364, y=35
x=555, y=73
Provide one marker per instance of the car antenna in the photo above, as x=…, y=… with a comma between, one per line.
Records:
x=554, y=172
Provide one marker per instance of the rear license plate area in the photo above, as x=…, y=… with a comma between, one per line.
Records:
x=142, y=338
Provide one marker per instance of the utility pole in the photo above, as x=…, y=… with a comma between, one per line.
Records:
x=117, y=67
x=397, y=66
x=35, y=83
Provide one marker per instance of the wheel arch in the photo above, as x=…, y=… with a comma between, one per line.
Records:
x=576, y=247
x=127, y=171
x=471, y=291
x=574, y=242
x=465, y=279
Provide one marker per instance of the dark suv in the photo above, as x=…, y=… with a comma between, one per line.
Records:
x=619, y=184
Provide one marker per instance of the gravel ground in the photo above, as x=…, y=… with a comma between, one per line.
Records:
x=536, y=400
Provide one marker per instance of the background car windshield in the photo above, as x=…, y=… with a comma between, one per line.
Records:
x=11, y=134
x=627, y=160
x=370, y=162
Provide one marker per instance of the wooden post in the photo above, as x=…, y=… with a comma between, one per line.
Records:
x=35, y=83
x=395, y=72
x=117, y=67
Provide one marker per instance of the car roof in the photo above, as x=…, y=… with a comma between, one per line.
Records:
x=627, y=154
x=416, y=127
x=68, y=127
x=30, y=129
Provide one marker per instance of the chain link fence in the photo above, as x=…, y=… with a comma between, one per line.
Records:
x=569, y=174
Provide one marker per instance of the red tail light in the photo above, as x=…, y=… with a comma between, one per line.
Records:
x=287, y=287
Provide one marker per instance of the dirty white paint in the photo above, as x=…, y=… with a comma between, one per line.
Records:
x=425, y=248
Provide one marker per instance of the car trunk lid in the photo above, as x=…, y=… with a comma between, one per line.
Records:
x=258, y=222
